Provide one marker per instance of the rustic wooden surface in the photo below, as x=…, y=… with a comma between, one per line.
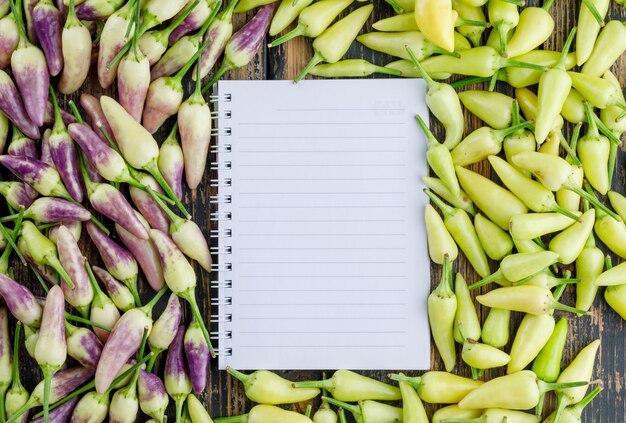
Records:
x=225, y=396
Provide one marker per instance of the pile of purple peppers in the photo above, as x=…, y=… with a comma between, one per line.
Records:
x=67, y=172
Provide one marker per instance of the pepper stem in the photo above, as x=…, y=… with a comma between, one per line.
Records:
x=75, y=111
x=179, y=401
x=170, y=214
x=517, y=64
x=342, y=416
x=309, y=409
x=354, y=409
x=547, y=4
x=425, y=76
x=216, y=8
x=487, y=280
x=92, y=280
x=156, y=174
x=317, y=58
x=546, y=386
x=503, y=33
x=47, y=383
x=190, y=297
x=571, y=154
x=612, y=158
x=326, y=384
x=470, y=22
x=606, y=131
x=54, y=262
x=176, y=22
x=387, y=71
x=594, y=12
x=181, y=73
x=579, y=406
x=566, y=212
x=445, y=209
x=132, y=287
x=560, y=306
x=592, y=199
x=243, y=378
x=11, y=242
x=87, y=322
x=593, y=127
x=503, y=133
x=297, y=31
x=568, y=43
x=469, y=81
x=430, y=138
x=58, y=120
x=155, y=354
x=233, y=419
x=17, y=14
x=150, y=305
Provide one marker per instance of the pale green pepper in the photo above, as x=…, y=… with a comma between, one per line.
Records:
x=504, y=17
x=461, y=201
x=573, y=413
x=609, y=46
x=351, y=68
x=547, y=364
x=460, y=227
x=443, y=102
x=570, y=243
x=333, y=43
x=532, y=335
x=369, y=411
x=589, y=266
x=266, y=387
x=493, y=108
x=287, y=12
x=442, y=306
x=440, y=242
x=588, y=29
x=452, y=412
x=496, y=242
x=440, y=387
x=412, y=407
x=439, y=159
x=534, y=27
x=264, y=413
x=524, y=298
x=345, y=385
x=615, y=297
x=522, y=77
x=466, y=323
x=396, y=43
x=534, y=225
x=516, y=268
x=496, y=328
x=593, y=151
x=481, y=143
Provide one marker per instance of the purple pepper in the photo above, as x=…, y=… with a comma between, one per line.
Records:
x=146, y=205
x=198, y=355
x=219, y=33
x=164, y=328
x=4, y=131
x=171, y=163
x=194, y=20
x=118, y=292
x=18, y=194
x=9, y=37
x=11, y=105
x=20, y=301
x=145, y=254
x=109, y=201
x=92, y=107
x=75, y=228
x=123, y=342
x=245, y=43
x=49, y=119
x=83, y=345
x=73, y=262
x=47, y=24
x=118, y=261
x=21, y=145
x=52, y=209
x=46, y=155
x=64, y=154
x=93, y=10
x=63, y=383
x=177, y=381
x=5, y=352
x=30, y=71
x=42, y=177
x=176, y=56
x=112, y=40
x=61, y=414
x=77, y=46
x=29, y=5
x=153, y=399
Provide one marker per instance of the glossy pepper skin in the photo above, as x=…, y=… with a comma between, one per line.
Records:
x=610, y=44
x=440, y=242
x=442, y=307
x=265, y=413
x=346, y=385
x=547, y=365
x=266, y=387
x=437, y=387
x=436, y=19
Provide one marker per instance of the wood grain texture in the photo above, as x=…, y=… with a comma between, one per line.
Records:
x=225, y=396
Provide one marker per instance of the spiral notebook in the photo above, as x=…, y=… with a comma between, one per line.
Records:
x=323, y=261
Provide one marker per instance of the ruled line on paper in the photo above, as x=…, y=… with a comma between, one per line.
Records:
x=322, y=318
x=324, y=179
x=322, y=193
x=264, y=262
x=320, y=220
x=332, y=234
x=366, y=332
x=313, y=206
x=323, y=165
x=317, y=123
x=366, y=109
x=321, y=304
x=325, y=290
x=324, y=346
x=324, y=137
x=321, y=276
x=321, y=151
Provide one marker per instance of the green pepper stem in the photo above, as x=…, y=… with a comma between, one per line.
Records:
x=547, y=4
x=447, y=210
x=58, y=120
x=17, y=14
x=503, y=133
x=39, y=278
x=579, y=406
x=221, y=71
x=487, y=280
x=606, y=131
x=309, y=409
x=156, y=174
x=155, y=354
x=15, y=369
x=47, y=384
x=297, y=31
x=571, y=154
x=11, y=242
x=132, y=287
x=594, y=12
x=232, y=419
x=567, y=213
x=87, y=322
x=85, y=388
x=140, y=354
x=354, y=409
x=592, y=199
x=469, y=81
x=546, y=386
x=396, y=6
x=181, y=73
x=518, y=3
x=414, y=381
x=207, y=24
x=150, y=305
x=508, y=63
x=92, y=279
x=54, y=262
x=32, y=402
x=560, y=306
x=243, y=378
x=170, y=214
x=317, y=58
x=342, y=416
x=568, y=43
x=430, y=138
x=470, y=22
x=75, y=112
x=503, y=32
x=176, y=22
x=593, y=127
x=326, y=384
x=425, y=76
x=387, y=71
x=190, y=297
x=493, y=81
x=179, y=401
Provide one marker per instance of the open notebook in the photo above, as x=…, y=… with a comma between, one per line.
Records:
x=323, y=260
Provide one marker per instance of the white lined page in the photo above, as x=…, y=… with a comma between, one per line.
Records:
x=329, y=261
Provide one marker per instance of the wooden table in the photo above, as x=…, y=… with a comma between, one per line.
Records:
x=225, y=396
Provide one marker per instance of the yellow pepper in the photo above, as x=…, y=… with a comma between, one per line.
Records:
x=436, y=20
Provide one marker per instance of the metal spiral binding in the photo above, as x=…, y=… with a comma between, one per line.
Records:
x=223, y=199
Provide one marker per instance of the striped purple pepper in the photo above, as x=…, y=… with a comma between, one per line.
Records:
x=112, y=40
x=92, y=408
x=21, y=145
x=118, y=261
x=47, y=25
x=245, y=43
x=83, y=345
x=30, y=71
x=75, y=228
x=9, y=37
x=177, y=381
x=20, y=301
x=118, y=292
x=64, y=154
x=195, y=19
x=46, y=155
x=18, y=194
x=61, y=414
x=73, y=262
x=11, y=105
x=76, y=41
x=153, y=399
x=92, y=107
x=6, y=369
x=197, y=353
x=52, y=209
x=219, y=33
x=123, y=342
x=43, y=178
x=49, y=118
x=164, y=328
x=145, y=253
x=171, y=162
x=93, y=10
x=150, y=210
